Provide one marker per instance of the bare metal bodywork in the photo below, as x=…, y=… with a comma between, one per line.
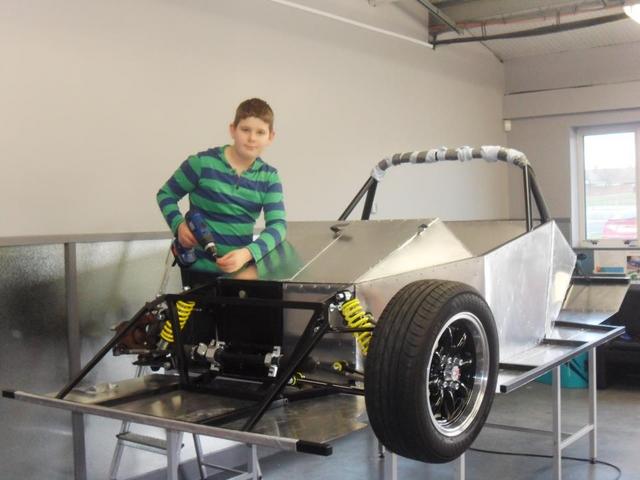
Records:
x=522, y=275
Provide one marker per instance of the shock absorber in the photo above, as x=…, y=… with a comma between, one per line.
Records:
x=184, y=312
x=355, y=317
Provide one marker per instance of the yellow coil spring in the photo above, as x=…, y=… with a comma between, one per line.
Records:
x=184, y=312
x=355, y=317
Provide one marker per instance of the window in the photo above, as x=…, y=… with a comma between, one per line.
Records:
x=607, y=183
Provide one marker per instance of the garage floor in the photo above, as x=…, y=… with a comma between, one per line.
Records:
x=355, y=457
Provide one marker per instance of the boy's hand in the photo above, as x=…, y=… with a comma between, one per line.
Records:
x=234, y=260
x=185, y=237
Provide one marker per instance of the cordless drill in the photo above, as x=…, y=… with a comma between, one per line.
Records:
x=185, y=257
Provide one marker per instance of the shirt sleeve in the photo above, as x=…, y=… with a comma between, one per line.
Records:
x=275, y=230
x=184, y=180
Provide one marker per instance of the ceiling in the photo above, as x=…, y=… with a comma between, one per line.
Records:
x=580, y=24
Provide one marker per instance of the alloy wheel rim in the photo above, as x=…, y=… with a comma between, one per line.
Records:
x=457, y=374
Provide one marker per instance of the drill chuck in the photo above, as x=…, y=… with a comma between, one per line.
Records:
x=211, y=249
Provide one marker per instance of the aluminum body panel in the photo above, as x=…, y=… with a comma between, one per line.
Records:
x=323, y=419
x=523, y=281
x=433, y=245
x=562, y=344
x=517, y=278
x=375, y=294
x=320, y=420
x=305, y=241
x=316, y=254
x=589, y=318
x=109, y=391
x=595, y=297
x=167, y=423
x=182, y=405
x=482, y=236
x=541, y=354
x=360, y=246
x=563, y=263
x=574, y=333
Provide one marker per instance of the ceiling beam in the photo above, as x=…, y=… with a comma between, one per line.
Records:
x=536, y=31
x=440, y=15
x=478, y=11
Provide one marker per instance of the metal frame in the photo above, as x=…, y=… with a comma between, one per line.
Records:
x=317, y=326
x=528, y=373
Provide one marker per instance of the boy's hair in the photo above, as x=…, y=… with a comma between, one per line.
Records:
x=254, y=107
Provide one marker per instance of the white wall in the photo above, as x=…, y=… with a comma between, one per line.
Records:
x=100, y=102
x=562, y=92
x=594, y=66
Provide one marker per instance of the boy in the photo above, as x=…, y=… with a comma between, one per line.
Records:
x=230, y=185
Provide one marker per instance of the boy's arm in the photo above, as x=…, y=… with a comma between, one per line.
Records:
x=275, y=230
x=183, y=181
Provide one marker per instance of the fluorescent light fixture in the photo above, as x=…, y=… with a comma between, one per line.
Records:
x=633, y=10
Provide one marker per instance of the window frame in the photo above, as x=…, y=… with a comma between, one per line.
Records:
x=582, y=132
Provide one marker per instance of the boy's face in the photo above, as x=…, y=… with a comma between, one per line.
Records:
x=250, y=137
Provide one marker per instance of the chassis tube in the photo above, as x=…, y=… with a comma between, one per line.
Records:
x=537, y=195
x=104, y=350
x=527, y=199
x=316, y=328
x=365, y=188
x=368, y=202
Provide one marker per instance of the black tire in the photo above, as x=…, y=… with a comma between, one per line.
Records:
x=431, y=329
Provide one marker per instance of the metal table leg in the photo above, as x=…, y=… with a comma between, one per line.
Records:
x=390, y=471
x=381, y=450
x=174, y=442
x=253, y=466
x=117, y=453
x=460, y=467
x=593, y=406
x=557, y=423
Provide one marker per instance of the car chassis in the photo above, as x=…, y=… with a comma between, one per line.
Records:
x=269, y=358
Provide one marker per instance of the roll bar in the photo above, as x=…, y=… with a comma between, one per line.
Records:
x=462, y=154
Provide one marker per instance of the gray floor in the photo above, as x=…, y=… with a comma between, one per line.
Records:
x=355, y=457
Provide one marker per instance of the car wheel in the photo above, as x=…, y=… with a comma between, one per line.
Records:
x=431, y=370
